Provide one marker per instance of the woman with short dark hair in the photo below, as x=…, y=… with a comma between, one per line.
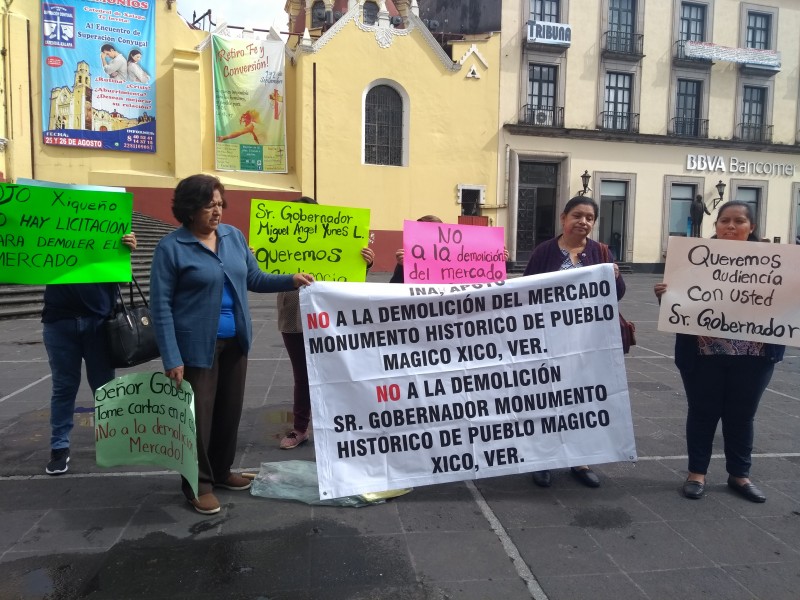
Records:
x=199, y=280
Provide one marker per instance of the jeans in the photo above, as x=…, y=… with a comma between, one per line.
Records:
x=68, y=342
x=726, y=388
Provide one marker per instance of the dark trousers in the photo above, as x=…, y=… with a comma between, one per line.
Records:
x=302, y=397
x=218, y=400
x=726, y=388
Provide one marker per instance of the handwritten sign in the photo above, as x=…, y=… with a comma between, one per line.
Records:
x=56, y=235
x=445, y=253
x=144, y=419
x=415, y=385
x=734, y=290
x=325, y=241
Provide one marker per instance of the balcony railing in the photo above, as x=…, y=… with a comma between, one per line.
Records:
x=542, y=116
x=694, y=128
x=623, y=44
x=619, y=121
x=753, y=132
x=680, y=56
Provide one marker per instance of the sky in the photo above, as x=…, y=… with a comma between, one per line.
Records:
x=255, y=14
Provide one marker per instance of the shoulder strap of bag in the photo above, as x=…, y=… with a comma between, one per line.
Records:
x=125, y=310
x=141, y=293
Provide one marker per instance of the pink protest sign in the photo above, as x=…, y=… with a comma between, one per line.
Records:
x=447, y=253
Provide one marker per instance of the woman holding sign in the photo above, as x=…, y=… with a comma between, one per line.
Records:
x=292, y=332
x=571, y=250
x=724, y=380
x=200, y=277
x=72, y=328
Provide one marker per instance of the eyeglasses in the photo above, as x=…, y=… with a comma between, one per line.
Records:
x=210, y=207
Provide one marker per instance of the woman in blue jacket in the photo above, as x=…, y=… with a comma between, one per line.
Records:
x=200, y=277
x=724, y=380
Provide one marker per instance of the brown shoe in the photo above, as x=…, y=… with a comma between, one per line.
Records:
x=206, y=504
x=235, y=482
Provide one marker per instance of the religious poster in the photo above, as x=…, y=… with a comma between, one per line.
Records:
x=420, y=384
x=98, y=75
x=249, y=105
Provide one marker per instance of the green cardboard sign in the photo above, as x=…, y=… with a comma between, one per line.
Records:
x=58, y=235
x=294, y=237
x=144, y=419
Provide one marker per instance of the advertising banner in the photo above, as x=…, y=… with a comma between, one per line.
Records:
x=98, y=74
x=751, y=56
x=415, y=385
x=249, y=115
x=294, y=237
x=144, y=419
x=447, y=253
x=733, y=290
x=63, y=235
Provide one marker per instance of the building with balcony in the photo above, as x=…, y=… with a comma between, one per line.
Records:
x=656, y=102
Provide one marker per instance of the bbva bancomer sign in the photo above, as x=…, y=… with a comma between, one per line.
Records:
x=541, y=32
x=711, y=163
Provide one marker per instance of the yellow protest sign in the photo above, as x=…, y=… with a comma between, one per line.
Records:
x=325, y=241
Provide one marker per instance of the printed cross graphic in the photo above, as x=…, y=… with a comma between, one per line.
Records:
x=276, y=100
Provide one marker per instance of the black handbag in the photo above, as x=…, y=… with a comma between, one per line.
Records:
x=130, y=333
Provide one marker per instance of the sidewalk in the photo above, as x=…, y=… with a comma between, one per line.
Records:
x=128, y=533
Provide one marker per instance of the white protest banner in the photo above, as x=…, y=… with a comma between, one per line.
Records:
x=415, y=385
x=734, y=290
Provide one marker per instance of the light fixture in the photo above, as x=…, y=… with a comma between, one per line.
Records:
x=721, y=191
x=585, y=181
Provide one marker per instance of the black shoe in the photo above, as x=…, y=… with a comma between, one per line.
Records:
x=586, y=476
x=58, y=461
x=694, y=489
x=748, y=490
x=541, y=478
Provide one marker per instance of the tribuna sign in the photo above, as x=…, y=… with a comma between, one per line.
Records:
x=540, y=32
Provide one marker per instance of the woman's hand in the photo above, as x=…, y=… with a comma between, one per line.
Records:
x=399, y=256
x=659, y=290
x=616, y=271
x=129, y=239
x=368, y=255
x=302, y=279
x=505, y=254
x=175, y=374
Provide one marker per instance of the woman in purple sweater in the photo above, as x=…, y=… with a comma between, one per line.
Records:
x=571, y=250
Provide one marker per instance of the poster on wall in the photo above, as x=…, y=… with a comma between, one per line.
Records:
x=249, y=115
x=98, y=75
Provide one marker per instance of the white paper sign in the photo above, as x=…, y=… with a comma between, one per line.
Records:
x=734, y=290
x=415, y=385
